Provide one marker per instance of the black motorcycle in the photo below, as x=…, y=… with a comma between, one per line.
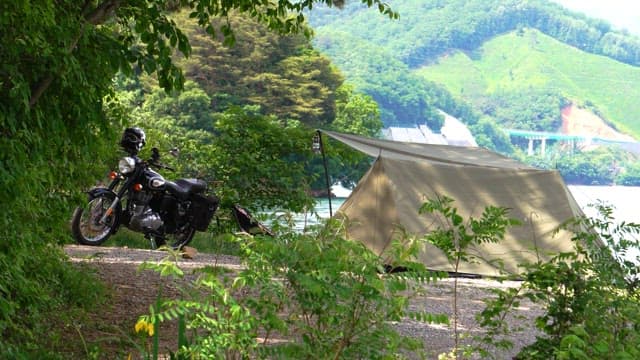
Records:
x=143, y=201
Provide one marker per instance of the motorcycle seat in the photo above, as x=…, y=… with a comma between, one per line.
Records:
x=184, y=187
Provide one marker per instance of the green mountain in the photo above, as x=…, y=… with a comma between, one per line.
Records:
x=499, y=62
x=519, y=61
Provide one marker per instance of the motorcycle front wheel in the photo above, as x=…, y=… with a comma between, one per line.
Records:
x=86, y=224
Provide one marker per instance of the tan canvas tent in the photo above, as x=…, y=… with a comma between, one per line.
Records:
x=405, y=175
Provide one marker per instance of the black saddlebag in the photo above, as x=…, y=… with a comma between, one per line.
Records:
x=203, y=208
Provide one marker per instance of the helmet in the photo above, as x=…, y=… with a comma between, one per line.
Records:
x=133, y=139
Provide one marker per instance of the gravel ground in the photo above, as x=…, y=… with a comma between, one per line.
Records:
x=134, y=290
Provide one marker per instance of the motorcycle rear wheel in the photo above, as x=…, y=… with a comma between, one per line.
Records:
x=177, y=240
x=86, y=226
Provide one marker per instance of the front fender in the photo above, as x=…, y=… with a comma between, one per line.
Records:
x=97, y=192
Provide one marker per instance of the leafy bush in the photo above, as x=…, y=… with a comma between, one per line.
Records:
x=591, y=296
x=40, y=293
x=312, y=295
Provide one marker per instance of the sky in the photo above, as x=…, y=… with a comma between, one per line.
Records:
x=622, y=14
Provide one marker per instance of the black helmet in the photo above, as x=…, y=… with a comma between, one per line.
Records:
x=133, y=139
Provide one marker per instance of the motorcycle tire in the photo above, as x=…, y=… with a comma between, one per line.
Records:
x=178, y=240
x=85, y=224
x=184, y=238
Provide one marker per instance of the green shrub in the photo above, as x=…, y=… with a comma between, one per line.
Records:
x=325, y=296
x=41, y=295
x=457, y=236
x=591, y=296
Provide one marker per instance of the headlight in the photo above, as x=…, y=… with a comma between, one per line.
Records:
x=126, y=165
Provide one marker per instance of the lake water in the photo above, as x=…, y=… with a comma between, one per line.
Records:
x=624, y=199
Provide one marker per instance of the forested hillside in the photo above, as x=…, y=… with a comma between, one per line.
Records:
x=430, y=32
x=284, y=75
x=529, y=70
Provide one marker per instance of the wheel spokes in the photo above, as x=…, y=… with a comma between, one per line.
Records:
x=90, y=224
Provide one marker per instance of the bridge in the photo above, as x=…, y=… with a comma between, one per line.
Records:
x=532, y=136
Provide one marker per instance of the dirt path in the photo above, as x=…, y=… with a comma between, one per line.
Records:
x=133, y=291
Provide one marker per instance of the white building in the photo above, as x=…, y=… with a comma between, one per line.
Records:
x=453, y=132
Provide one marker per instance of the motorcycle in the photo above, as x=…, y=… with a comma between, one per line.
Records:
x=141, y=199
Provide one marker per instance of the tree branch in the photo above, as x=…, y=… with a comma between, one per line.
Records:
x=97, y=16
x=102, y=12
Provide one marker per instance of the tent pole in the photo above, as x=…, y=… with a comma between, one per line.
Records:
x=326, y=172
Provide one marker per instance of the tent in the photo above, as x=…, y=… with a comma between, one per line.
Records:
x=405, y=175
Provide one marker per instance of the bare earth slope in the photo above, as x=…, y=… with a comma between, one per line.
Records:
x=577, y=121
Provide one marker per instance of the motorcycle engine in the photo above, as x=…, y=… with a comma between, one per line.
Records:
x=143, y=218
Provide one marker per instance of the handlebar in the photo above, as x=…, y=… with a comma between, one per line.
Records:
x=160, y=166
x=155, y=160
